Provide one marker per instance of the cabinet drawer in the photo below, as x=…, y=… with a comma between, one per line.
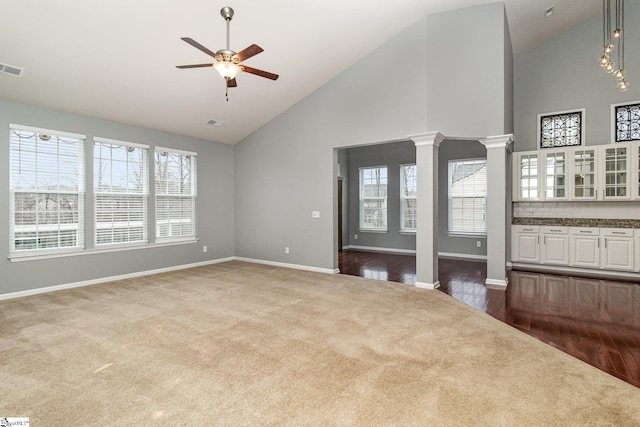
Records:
x=585, y=231
x=525, y=228
x=617, y=232
x=555, y=230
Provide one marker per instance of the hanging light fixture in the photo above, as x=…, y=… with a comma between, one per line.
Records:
x=610, y=37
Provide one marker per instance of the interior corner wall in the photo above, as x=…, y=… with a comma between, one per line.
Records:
x=391, y=155
x=468, y=68
x=215, y=214
x=563, y=74
x=508, y=79
x=459, y=245
x=285, y=170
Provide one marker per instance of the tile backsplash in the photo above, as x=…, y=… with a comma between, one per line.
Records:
x=596, y=209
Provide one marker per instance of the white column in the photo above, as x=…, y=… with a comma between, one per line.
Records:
x=427, y=206
x=497, y=205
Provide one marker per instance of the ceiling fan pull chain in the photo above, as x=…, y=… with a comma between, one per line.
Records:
x=227, y=93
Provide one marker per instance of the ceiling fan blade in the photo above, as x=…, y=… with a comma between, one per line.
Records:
x=197, y=45
x=247, y=53
x=232, y=83
x=260, y=73
x=182, y=67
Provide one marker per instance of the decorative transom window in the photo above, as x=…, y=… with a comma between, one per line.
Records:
x=408, y=193
x=627, y=122
x=47, y=187
x=563, y=129
x=373, y=198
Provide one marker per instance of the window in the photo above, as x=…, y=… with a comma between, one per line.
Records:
x=121, y=191
x=175, y=185
x=626, y=122
x=47, y=184
x=373, y=198
x=467, y=196
x=408, y=192
x=563, y=129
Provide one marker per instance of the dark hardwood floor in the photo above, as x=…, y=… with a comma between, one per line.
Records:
x=594, y=320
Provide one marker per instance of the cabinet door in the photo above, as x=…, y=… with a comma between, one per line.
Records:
x=526, y=247
x=616, y=173
x=555, y=175
x=584, y=174
x=618, y=253
x=528, y=174
x=637, y=251
x=555, y=249
x=585, y=251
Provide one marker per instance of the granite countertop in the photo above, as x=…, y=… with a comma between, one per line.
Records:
x=578, y=222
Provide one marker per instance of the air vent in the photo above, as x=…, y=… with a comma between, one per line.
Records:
x=217, y=123
x=11, y=70
x=548, y=11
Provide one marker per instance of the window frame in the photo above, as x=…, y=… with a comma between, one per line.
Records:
x=361, y=199
x=143, y=194
x=614, y=122
x=581, y=111
x=191, y=198
x=404, y=197
x=80, y=192
x=457, y=232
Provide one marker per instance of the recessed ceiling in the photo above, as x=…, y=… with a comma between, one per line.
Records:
x=116, y=60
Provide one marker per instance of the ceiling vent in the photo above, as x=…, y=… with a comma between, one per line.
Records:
x=11, y=70
x=217, y=123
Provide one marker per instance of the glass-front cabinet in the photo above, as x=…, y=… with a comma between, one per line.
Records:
x=555, y=175
x=528, y=185
x=584, y=174
x=616, y=172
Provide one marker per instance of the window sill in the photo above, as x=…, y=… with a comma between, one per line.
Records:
x=372, y=230
x=410, y=232
x=120, y=248
x=471, y=235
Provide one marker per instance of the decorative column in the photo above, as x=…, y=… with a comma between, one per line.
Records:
x=427, y=209
x=497, y=206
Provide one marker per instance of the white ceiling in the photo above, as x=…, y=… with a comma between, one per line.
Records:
x=116, y=59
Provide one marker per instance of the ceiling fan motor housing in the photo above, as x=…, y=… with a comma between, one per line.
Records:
x=226, y=55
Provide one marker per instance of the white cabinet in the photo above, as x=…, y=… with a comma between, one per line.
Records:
x=555, y=245
x=525, y=244
x=527, y=172
x=637, y=250
x=554, y=164
x=616, y=172
x=618, y=249
x=585, y=247
x=583, y=170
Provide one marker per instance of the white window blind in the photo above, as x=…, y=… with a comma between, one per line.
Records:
x=373, y=198
x=408, y=193
x=47, y=186
x=176, y=191
x=121, y=192
x=467, y=196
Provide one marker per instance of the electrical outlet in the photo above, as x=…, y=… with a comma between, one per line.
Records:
x=204, y=248
x=478, y=243
x=355, y=236
x=286, y=250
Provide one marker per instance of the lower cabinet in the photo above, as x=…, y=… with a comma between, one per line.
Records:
x=583, y=247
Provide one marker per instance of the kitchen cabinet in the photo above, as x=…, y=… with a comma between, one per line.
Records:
x=618, y=249
x=616, y=172
x=525, y=245
x=583, y=171
x=555, y=245
x=584, y=247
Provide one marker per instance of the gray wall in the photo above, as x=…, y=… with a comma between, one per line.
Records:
x=215, y=204
x=456, y=150
x=391, y=155
x=287, y=168
x=564, y=74
x=469, y=71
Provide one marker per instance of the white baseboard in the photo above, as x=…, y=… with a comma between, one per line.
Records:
x=496, y=283
x=591, y=272
x=430, y=286
x=383, y=250
x=47, y=289
x=462, y=256
x=287, y=265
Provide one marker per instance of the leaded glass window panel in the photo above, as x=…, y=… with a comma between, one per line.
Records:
x=561, y=129
x=627, y=125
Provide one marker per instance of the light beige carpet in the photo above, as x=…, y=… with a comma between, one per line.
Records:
x=242, y=344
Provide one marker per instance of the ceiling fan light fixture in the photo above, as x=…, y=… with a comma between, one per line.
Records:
x=228, y=70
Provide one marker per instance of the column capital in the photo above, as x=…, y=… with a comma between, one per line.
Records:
x=431, y=138
x=498, y=141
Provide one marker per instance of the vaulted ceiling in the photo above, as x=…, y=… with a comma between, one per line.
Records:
x=116, y=60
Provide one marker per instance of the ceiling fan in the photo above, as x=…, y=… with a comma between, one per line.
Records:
x=229, y=63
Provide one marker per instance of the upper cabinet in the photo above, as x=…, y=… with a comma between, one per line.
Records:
x=605, y=172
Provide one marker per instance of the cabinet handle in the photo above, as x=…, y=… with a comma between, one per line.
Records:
x=598, y=243
x=544, y=240
x=555, y=231
x=617, y=232
x=538, y=239
x=527, y=229
x=585, y=231
x=605, y=242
